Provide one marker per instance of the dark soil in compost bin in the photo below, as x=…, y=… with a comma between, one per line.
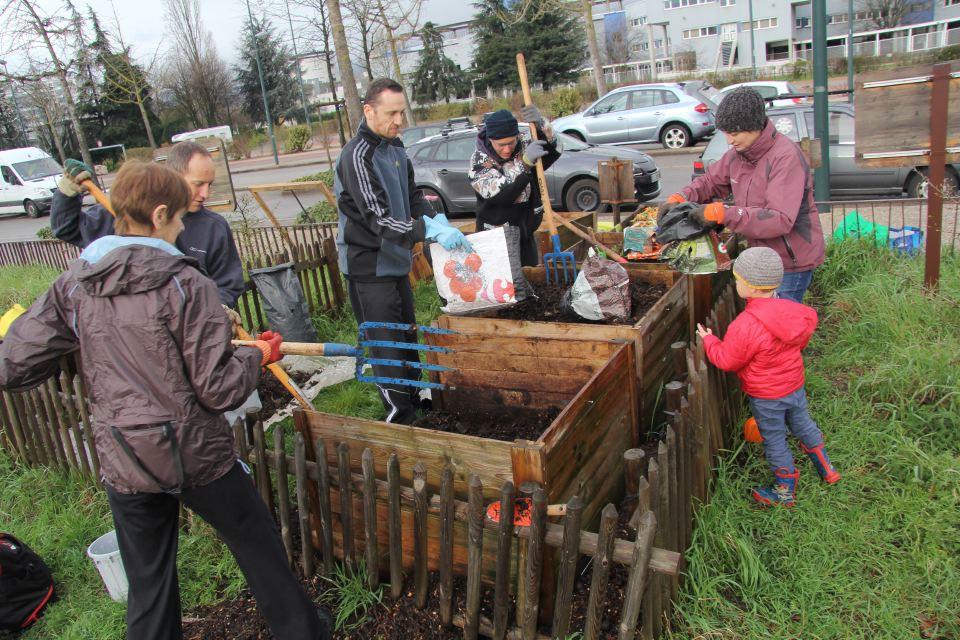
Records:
x=273, y=395
x=546, y=306
x=510, y=424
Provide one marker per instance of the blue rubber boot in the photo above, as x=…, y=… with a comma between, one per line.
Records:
x=782, y=492
x=820, y=459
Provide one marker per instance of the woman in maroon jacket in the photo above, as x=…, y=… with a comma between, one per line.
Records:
x=773, y=204
x=156, y=353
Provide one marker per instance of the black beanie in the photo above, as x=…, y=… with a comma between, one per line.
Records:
x=501, y=124
x=743, y=109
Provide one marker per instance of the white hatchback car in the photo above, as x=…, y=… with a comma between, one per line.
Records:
x=769, y=90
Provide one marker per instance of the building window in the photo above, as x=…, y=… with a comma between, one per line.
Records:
x=727, y=3
x=765, y=23
x=837, y=18
x=951, y=3
x=803, y=22
x=702, y=32
x=638, y=22
x=777, y=51
x=679, y=4
x=658, y=44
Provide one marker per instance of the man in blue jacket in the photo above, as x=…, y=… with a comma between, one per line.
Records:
x=381, y=216
x=206, y=235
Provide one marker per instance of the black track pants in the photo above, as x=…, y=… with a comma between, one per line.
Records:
x=147, y=530
x=390, y=301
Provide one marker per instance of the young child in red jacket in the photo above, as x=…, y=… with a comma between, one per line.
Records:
x=763, y=347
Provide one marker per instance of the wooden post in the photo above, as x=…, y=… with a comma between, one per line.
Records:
x=569, y=555
x=420, y=501
x=323, y=498
x=673, y=517
x=81, y=395
x=65, y=451
x=664, y=535
x=939, y=105
x=45, y=447
x=16, y=428
x=395, y=533
x=447, y=518
x=70, y=408
x=637, y=581
x=303, y=508
x=474, y=557
x=283, y=492
x=346, y=503
x=372, y=548
x=260, y=462
x=632, y=471
x=653, y=607
x=501, y=596
x=601, y=572
x=534, y=565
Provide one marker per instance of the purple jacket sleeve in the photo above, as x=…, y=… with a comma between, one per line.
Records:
x=37, y=339
x=785, y=186
x=714, y=184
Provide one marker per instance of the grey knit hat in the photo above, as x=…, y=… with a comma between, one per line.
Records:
x=742, y=109
x=759, y=267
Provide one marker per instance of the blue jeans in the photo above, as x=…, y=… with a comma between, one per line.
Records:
x=773, y=418
x=794, y=285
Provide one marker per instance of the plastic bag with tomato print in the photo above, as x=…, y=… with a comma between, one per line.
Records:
x=489, y=276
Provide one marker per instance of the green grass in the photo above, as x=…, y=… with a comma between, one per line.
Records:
x=22, y=285
x=877, y=555
x=349, y=596
x=59, y=515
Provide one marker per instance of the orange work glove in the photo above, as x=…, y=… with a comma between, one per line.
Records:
x=708, y=215
x=669, y=203
x=269, y=344
x=676, y=198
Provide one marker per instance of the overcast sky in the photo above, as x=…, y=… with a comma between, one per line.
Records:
x=142, y=21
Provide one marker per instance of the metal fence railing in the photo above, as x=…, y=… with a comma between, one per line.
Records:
x=893, y=212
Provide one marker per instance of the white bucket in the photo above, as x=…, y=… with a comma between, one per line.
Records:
x=105, y=553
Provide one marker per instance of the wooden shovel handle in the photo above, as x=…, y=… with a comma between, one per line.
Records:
x=279, y=373
x=292, y=348
x=99, y=196
x=541, y=176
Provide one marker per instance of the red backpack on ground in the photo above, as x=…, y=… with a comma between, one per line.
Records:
x=26, y=585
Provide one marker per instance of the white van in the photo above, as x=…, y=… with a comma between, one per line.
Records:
x=28, y=178
x=223, y=132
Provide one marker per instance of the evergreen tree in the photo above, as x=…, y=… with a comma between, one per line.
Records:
x=127, y=103
x=278, y=72
x=554, y=42
x=494, y=58
x=437, y=76
x=10, y=135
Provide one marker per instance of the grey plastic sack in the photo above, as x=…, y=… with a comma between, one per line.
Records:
x=601, y=291
x=283, y=302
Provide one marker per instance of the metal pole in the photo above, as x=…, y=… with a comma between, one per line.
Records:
x=850, y=51
x=753, y=56
x=263, y=88
x=939, y=100
x=821, y=176
x=296, y=56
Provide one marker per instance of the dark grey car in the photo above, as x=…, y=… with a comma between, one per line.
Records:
x=846, y=177
x=441, y=163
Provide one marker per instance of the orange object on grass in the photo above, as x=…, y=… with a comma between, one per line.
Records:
x=751, y=430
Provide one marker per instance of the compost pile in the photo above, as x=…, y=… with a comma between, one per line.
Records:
x=546, y=305
x=273, y=395
x=509, y=424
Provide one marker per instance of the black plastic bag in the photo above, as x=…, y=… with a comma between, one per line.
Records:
x=284, y=303
x=676, y=224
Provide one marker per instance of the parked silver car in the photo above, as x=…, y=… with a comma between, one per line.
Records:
x=677, y=115
x=846, y=177
x=441, y=163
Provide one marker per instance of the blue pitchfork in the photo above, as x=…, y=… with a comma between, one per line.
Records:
x=360, y=352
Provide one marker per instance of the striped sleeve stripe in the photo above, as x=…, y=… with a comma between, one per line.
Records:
x=366, y=188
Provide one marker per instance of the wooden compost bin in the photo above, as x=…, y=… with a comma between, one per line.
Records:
x=579, y=453
x=662, y=325
x=569, y=241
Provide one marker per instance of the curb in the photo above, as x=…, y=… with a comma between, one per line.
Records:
x=653, y=153
x=282, y=165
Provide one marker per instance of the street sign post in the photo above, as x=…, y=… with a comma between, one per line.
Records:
x=904, y=119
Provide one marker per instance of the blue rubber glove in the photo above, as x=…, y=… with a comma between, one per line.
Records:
x=442, y=218
x=449, y=237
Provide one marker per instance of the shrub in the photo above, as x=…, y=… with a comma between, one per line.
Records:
x=564, y=102
x=298, y=139
x=948, y=53
x=140, y=153
x=324, y=176
x=323, y=211
x=45, y=233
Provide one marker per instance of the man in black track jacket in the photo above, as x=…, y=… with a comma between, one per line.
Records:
x=381, y=216
x=206, y=235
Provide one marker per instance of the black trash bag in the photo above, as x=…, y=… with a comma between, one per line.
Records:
x=284, y=303
x=600, y=292
x=676, y=224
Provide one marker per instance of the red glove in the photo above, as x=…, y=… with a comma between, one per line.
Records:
x=269, y=343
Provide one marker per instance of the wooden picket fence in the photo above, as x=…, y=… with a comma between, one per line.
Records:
x=52, y=253
x=317, y=270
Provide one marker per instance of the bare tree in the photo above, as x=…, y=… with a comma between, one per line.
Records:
x=362, y=15
x=391, y=21
x=885, y=14
x=352, y=97
x=42, y=100
x=197, y=76
x=31, y=29
x=595, y=62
